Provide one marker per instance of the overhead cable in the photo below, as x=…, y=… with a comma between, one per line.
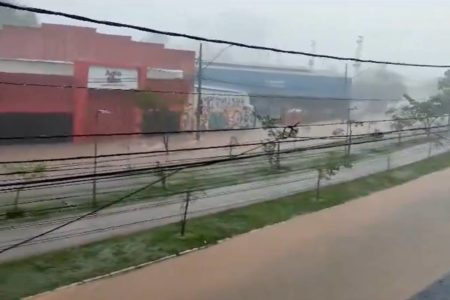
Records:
x=210, y=40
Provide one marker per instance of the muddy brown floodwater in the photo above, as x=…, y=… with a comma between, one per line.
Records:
x=388, y=245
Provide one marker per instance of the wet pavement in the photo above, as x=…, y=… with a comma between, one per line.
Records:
x=390, y=245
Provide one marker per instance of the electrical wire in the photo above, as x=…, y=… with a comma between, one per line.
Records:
x=211, y=40
x=86, y=215
x=196, y=164
x=164, y=177
x=234, y=204
x=73, y=183
x=173, y=92
x=127, y=154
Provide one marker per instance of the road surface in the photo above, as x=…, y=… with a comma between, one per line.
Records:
x=389, y=245
x=124, y=220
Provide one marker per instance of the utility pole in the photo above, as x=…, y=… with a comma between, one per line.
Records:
x=186, y=208
x=349, y=129
x=94, y=178
x=199, y=91
x=166, y=143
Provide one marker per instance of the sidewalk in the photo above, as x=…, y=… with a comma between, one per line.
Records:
x=389, y=245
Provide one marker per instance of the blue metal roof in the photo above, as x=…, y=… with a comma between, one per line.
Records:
x=276, y=81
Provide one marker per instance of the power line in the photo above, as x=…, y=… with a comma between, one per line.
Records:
x=98, y=209
x=159, y=152
x=180, y=201
x=87, y=214
x=172, y=92
x=18, y=244
x=119, y=178
x=216, y=41
x=201, y=187
x=39, y=137
x=208, y=147
x=201, y=163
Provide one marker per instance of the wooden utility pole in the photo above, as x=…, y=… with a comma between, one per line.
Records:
x=349, y=129
x=166, y=143
x=186, y=208
x=199, y=91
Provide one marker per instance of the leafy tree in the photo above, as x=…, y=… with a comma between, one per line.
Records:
x=25, y=174
x=444, y=95
x=427, y=113
x=398, y=124
x=333, y=163
x=17, y=18
x=275, y=135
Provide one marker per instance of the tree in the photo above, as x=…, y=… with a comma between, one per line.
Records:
x=275, y=135
x=398, y=124
x=444, y=95
x=426, y=113
x=17, y=18
x=25, y=174
x=333, y=163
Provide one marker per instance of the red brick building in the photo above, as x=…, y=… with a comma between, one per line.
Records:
x=98, y=72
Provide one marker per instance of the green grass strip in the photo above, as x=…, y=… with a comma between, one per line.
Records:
x=45, y=272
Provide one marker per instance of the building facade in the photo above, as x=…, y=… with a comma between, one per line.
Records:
x=276, y=91
x=225, y=109
x=56, y=80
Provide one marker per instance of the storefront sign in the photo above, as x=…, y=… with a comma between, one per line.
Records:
x=112, y=78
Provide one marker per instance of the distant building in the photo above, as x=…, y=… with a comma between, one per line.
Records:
x=225, y=109
x=274, y=91
x=55, y=78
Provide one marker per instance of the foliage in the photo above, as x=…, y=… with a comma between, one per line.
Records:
x=149, y=101
x=399, y=124
x=271, y=145
x=333, y=163
x=443, y=97
x=427, y=113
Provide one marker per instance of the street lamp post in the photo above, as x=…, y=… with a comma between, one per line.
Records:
x=94, y=179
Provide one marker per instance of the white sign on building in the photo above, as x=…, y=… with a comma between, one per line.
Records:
x=112, y=78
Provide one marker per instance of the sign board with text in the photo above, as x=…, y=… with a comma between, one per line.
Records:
x=112, y=78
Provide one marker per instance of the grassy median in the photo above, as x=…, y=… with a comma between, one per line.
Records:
x=45, y=272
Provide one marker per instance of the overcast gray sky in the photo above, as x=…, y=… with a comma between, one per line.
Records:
x=413, y=31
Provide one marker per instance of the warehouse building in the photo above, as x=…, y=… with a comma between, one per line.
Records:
x=68, y=80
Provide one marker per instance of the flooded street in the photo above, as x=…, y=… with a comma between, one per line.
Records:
x=389, y=245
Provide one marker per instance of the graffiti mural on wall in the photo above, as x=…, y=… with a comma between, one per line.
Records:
x=226, y=110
